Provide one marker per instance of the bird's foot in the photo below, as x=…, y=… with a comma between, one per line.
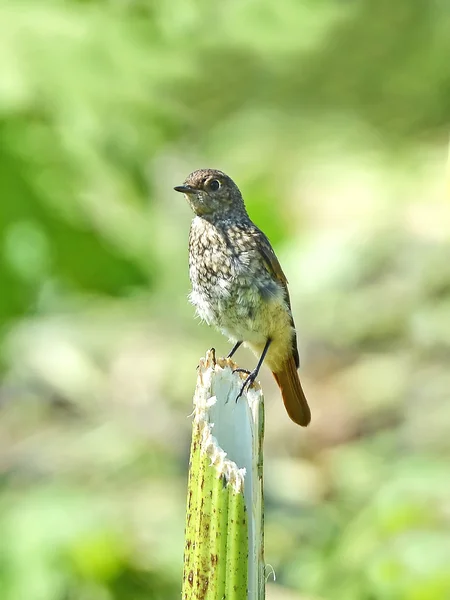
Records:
x=249, y=380
x=241, y=371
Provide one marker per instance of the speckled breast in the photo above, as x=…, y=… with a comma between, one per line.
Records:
x=229, y=284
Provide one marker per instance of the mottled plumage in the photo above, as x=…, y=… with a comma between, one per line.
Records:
x=238, y=285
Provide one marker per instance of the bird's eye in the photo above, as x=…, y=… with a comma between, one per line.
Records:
x=214, y=184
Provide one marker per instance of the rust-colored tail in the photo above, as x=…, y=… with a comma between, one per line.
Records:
x=293, y=396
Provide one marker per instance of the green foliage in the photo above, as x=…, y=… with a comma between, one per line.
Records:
x=62, y=543
x=328, y=114
x=388, y=545
x=92, y=91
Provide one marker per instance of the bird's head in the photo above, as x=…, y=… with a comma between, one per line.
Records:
x=211, y=192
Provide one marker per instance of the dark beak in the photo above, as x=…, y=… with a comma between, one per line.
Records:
x=185, y=189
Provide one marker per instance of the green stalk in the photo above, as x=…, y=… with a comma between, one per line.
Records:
x=224, y=550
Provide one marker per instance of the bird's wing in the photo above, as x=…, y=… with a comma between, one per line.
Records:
x=273, y=266
x=269, y=259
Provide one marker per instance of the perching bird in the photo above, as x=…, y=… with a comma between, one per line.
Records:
x=238, y=284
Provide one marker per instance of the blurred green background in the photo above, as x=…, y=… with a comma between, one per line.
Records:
x=332, y=116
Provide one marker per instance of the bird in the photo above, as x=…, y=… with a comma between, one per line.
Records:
x=238, y=285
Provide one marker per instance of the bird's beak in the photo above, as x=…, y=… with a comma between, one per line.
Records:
x=185, y=189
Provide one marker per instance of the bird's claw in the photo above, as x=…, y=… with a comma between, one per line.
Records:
x=239, y=370
x=248, y=380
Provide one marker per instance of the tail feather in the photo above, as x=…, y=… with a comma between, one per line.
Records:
x=292, y=392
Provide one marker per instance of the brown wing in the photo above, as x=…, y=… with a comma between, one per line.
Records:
x=274, y=268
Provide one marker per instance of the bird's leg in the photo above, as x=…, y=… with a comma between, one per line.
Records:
x=233, y=350
x=239, y=370
x=253, y=374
